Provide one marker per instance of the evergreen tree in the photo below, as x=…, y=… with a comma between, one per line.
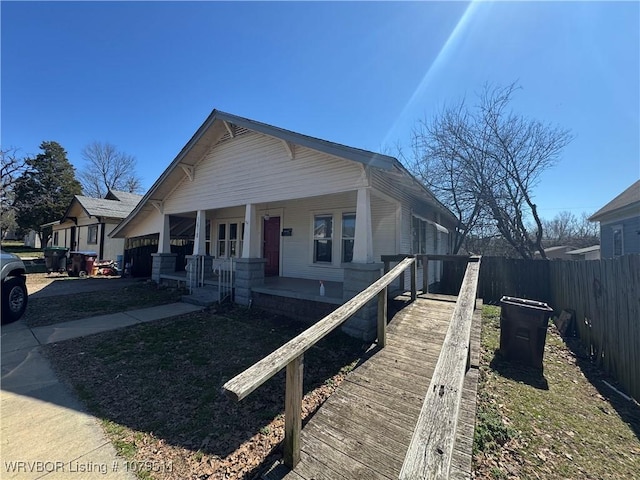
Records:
x=44, y=191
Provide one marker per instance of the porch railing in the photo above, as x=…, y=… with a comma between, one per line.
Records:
x=224, y=271
x=195, y=272
x=291, y=356
x=422, y=262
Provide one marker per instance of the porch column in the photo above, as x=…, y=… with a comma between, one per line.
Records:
x=363, y=238
x=200, y=241
x=164, y=261
x=250, y=244
x=164, y=245
x=250, y=267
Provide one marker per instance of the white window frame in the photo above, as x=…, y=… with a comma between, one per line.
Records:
x=227, y=240
x=343, y=238
x=91, y=228
x=423, y=225
x=55, y=239
x=336, y=238
x=331, y=238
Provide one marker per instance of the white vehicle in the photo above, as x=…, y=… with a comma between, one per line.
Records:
x=14, y=289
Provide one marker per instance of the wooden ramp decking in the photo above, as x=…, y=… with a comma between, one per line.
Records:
x=364, y=429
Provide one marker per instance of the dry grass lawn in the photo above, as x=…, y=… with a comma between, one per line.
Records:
x=157, y=389
x=567, y=426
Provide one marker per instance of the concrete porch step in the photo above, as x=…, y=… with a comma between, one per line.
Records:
x=202, y=296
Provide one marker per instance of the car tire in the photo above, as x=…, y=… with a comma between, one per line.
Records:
x=14, y=299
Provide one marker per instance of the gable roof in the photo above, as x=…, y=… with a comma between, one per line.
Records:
x=104, y=207
x=220, y=125
x=628, y=198
x=125, y=197
x=582, y=251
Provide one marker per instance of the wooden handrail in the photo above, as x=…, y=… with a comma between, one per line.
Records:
x=291, y=355
x=431, y=448
x=246, y=382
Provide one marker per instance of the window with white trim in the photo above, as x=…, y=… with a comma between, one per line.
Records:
x=55, y=239
x=418, y=235
x=348, y=236
x=322, y=238
x=92, y=234
x=229, y=240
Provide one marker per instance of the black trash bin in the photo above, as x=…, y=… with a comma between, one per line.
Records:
x=55, y=259
x=523, y=330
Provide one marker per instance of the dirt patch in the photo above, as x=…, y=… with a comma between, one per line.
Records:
x=157, y=388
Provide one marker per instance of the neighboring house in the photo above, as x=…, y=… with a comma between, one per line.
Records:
x=88, y=221
x=31, y=239
x=558, y=252
x=587, y=253
x=284, y=205
x=620, y=223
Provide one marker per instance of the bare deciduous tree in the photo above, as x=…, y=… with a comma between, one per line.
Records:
x=567, y=229
x=107, y=168
x=11, y=168
x=484, y=163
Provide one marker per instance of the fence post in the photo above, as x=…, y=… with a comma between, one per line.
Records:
x=293, y=411
x=414, y=279
x=382, y=317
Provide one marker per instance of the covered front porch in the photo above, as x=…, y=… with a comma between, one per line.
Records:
x=279, y=250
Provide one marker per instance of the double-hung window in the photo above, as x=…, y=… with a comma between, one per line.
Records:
x=419, y=235
x=230, y=239
x=322, y=238
x=348, y=236
x=92, y=234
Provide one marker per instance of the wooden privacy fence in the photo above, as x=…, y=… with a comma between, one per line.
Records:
x=456, y=263
x=500, y=276
x=605, y=296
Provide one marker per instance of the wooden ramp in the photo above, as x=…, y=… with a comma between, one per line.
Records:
x=364, y=429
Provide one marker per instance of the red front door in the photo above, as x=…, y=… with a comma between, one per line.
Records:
x=271, y=229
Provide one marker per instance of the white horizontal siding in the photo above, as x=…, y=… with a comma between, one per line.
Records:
x=255, y=168
x=384, y=227
x=296, y=251
x=147, y=222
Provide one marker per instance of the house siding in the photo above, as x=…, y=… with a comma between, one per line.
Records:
x=255, y=168
x=296, y=251
x=630, y=236
x=147, y=224
x=112, y=246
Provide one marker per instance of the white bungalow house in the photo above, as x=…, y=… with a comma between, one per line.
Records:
x=88, y=221
x=292, y=210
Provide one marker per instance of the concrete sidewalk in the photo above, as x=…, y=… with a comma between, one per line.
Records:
x=45, y=432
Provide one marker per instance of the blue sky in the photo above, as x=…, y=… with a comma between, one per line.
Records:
x=144, y=75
